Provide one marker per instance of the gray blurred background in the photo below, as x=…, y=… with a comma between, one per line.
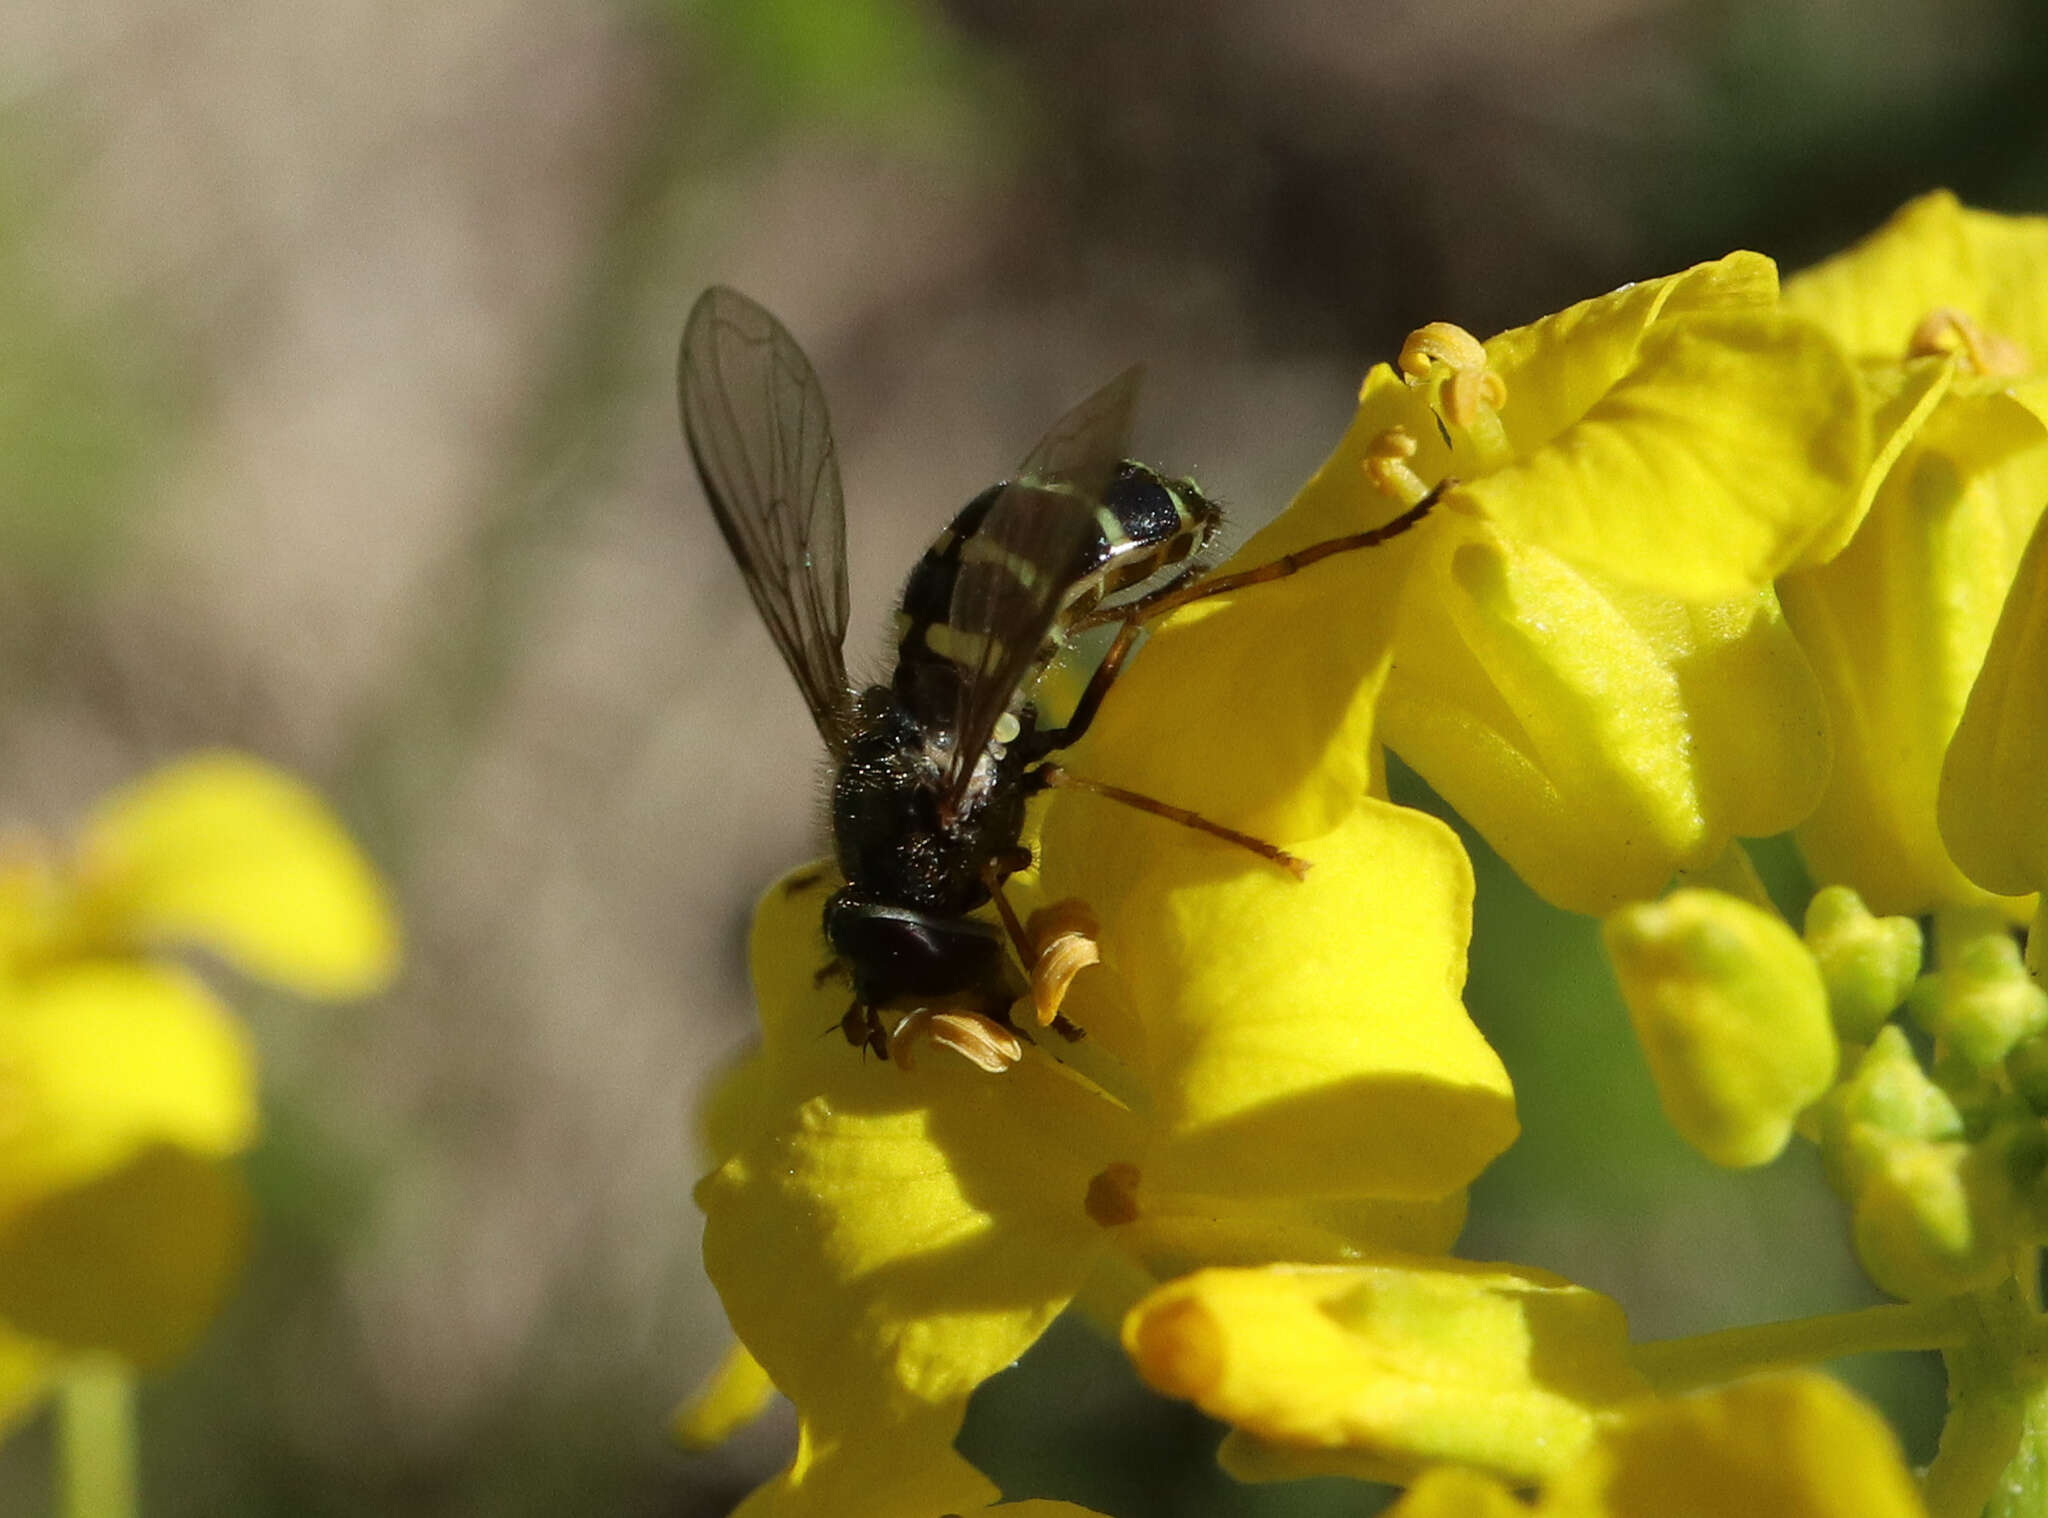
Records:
x=337, y=423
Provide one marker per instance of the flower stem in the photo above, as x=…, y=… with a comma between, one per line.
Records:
x=96, y=1440
x=1677, y=1365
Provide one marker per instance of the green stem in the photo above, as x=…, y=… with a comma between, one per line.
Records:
x=96, y=1440
x=1677, y=1365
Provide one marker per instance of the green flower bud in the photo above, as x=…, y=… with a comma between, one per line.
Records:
x=1732, y=1015
x=1867, y=963
x=2027, y=1068
x=1887, y=1097
x=1981, y=1003
x=1935, y=1219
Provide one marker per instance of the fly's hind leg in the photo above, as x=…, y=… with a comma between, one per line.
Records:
x=1054, y=777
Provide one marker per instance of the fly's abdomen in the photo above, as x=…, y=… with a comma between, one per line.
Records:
x=1143, y=524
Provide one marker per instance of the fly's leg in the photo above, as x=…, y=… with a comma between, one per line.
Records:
x=1053, y=777
x=1171, y=597
x=862, y=1027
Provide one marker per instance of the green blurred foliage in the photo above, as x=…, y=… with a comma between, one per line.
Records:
x=88, y=406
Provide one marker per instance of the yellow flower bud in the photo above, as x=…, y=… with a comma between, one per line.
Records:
x=1732, y=1016
x=1381, y=1369
x=1867, y=963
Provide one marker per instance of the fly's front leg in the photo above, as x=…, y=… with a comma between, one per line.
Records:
x=1172, y=597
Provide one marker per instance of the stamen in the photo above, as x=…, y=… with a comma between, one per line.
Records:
x=1469, y=394
x=1112, y=1197
x=1386, y=466
x=1063, y=941
x=981, y=1041
x=1948, y=330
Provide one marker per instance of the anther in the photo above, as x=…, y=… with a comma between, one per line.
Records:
x=981, y=1041
x=1386, y=466
x=1470, y=394
x=1948, y=330
x=1063, y=942
x=1112, y=1199
x=1441, y=343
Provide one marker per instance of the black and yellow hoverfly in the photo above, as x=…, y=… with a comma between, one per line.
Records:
x=934, y=768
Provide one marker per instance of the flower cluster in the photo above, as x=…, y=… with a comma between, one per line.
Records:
x=126, y=1085
x=1709, y=560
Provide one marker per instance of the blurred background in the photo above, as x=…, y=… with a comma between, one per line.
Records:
x=337, y=424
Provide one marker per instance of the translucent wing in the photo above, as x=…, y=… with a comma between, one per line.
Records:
x=1031, y=552
x=754, y=415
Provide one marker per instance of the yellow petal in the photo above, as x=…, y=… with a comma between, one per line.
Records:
x=1932, y=253
x=1600, y=739
x=883, y=1239
x=1449, y=1491
x=736, y=1393
x=225, y=852
x=1897, y=627
x=100, y=1060
x=1993, y=805
x=1390, y=1367
x=1559, y=368
x=136, y=1261
x=1306, y=1037
x=1732, y=1015
x=1732, y=443
x=888, y=1469
x=1787, y=1446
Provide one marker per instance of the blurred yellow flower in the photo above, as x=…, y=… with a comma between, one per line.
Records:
x=125, y=1083
x=1381, y=1368
x=1942, y=309
x=1590, y=665
x=1783, y=1446
x=1273, y=1068
x=1474, y=1380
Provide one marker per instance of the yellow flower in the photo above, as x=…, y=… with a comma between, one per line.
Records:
x=1590, y=665
x=1942, y=309
x=1470, y=1380
x=125, y=1084
x=1273, y=1068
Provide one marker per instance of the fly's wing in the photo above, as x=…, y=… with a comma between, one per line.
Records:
x=754, y=415
x=1024, y=562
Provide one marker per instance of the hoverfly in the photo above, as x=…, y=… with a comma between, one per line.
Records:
x=933, y=769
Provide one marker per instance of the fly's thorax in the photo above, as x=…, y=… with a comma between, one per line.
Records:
x=1145, y=522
